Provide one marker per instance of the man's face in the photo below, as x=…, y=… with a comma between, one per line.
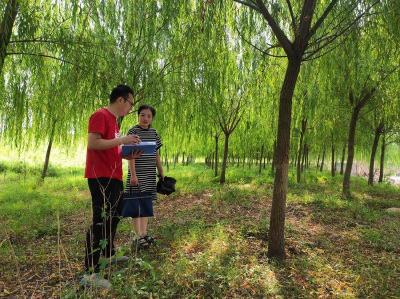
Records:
x=127, y=104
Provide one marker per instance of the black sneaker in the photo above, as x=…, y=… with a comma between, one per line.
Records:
x=140, y=243
x=149, y=239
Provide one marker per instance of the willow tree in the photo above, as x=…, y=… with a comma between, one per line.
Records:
x=73, y=54
x=364, y=81
x=6, y=27
x=302, y=38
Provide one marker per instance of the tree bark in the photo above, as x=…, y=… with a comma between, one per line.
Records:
x=166, y=160
x=378, y=132
x=333, y=164
x=321, y=167
x=382, y=162
x=48, y=151
x=276, y=238
x=342, y=161
x=223, y=168
x=302, y=132
x=351, y=138
x=261, y=157
x=7, y=24
x=273, y=159
x=303, y=158
x=307, y=157
x=350, y=152
x=216, y=155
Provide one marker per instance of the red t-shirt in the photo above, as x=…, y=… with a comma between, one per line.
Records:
x=104, y=163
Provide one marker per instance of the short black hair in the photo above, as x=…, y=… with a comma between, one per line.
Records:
x=121, y=90
x=144, y=107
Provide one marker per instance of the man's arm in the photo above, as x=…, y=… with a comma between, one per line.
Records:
x=95, y=142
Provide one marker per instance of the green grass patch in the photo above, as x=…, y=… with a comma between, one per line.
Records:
x=211, y=239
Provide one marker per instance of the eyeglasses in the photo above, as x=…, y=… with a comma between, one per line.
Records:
x=129, y=101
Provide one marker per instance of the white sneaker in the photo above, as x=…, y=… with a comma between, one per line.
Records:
x=95, y=280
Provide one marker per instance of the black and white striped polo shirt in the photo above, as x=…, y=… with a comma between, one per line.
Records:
x=145, y=165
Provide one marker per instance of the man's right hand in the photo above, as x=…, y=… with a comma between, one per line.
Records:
x=130, y=139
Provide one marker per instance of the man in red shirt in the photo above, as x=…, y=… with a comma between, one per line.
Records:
x=104, y=174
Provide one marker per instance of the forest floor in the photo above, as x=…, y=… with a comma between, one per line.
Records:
x=211, y=240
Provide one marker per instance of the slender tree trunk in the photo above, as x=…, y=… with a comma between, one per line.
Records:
x=378, y=132
x=166, y=160
x=261, y=157
x=342, y=161
x=216, y=155
x=273, y=159
x=318, y=160
x=321, y=167
x=382, y=162
x=264, y=162
x=350, y=153
x=276, y=237
x=6, y=27
x=47, y=159
x=223, y=168
x=307, y=161
x=351, y=138
x=303, y=158
x=302, y=132
x=333, y=164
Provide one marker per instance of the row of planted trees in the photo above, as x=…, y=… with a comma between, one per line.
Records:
x=242, y=80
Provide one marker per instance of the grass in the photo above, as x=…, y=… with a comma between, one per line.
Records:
x=211, y=239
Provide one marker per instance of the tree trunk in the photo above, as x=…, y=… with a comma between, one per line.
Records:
x=350, y=153
x=333, y=164
x=382, y=163
x=261, y=157
x=7, y=24
x=47, y=159
x=378, y=132
x=303, y=158
x=216, y=155
x=166, y=160
x=342, y=161
x=307, y=161
x=302, y=132
x=273, y=159
x=318, y=160
x=351, y=138
x=276, y=237
x=321, y=167
x=223, y=168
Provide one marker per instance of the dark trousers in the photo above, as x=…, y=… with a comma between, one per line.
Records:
x=106, y=206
